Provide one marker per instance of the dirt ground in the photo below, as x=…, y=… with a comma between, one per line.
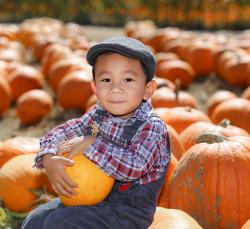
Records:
x=10, y=125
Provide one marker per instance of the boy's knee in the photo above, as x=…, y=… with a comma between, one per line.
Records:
x=55, y=220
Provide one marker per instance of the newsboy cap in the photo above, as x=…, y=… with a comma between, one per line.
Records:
x=126, y=46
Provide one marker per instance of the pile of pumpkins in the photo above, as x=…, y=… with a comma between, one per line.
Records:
x=207, y=183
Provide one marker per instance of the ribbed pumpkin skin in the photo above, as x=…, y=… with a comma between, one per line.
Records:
x=93, y=184
x=17, y=179
x=16, y=146
x=211, y=183
x=165, y=218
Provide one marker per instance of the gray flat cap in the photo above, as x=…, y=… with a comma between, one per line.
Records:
x=126, y=46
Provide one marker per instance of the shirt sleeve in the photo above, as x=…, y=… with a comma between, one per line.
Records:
x=72, y=128
x=148, y=147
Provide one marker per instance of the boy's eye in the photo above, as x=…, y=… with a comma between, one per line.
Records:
x=105, y=80
x=128, y=80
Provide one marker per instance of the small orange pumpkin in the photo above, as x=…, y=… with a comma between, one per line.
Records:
x=75, y=90
x=217, y=98
x=33, y=105
x=176, y=69
x=237, y=111
x=93, y=184
x=25, y=78
x=165, y=97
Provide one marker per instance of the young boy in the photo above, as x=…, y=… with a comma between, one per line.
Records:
x=132, y=144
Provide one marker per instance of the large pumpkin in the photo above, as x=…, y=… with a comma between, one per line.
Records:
x=18, y=178
x=93, y=184
x=165, y=218
x=211, y=182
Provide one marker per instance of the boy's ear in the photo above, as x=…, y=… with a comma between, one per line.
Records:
x=150, y=89
x=92, y=84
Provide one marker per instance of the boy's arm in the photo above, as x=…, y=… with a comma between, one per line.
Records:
x=50, y=142
x=150, y=145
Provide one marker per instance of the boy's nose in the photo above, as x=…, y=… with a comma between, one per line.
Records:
x=116, y=88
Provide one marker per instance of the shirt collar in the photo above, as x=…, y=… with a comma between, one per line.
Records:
x=142, y=112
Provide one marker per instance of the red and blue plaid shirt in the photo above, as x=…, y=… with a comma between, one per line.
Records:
x=143, y=160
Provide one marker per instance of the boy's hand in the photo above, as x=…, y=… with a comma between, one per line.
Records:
x=55, y=168
x=75, y=145
x=55, y=165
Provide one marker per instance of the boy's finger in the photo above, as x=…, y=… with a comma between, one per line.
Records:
x=67, y=188
x=67, y=161
x=69, y=181
x=62, y=191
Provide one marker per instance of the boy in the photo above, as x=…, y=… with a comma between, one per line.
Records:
x=132, y=144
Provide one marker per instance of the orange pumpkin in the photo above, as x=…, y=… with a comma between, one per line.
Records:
x=163, y=197
x=166, y=218
x=217, y=98
x=161, y=82
x=176, y=69
x=5, y=94
x=200, y=56
x=237, y=111
x=189, y=135
x=181, y=117
x=63, y=67
x=25, y=78
x=74, y=90
x=52, y=54
x=33, y=105
x=211, y=181
x=237, y=70
x=165, y=97
x=18, y=178
x=93, y=184
x=18, y=145
x=165, y=56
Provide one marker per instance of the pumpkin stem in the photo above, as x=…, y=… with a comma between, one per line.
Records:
x=210, y=137
x=177, y=88
x=224, y=123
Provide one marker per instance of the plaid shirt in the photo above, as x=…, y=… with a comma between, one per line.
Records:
x=142, y=160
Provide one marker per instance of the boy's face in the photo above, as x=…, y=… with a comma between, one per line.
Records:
x=120, y=84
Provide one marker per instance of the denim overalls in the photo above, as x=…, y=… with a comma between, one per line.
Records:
x=128, y=206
